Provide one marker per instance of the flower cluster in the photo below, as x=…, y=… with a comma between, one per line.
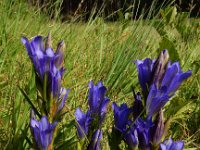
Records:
x=159, y=80
x=89, y=123
x=142, y=126
x=49, y=70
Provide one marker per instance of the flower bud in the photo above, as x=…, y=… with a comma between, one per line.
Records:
x=48, y=43
x=159, y=128
x=160, y=67
x=95, y=141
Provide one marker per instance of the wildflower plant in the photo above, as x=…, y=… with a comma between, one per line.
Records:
x=143, y=126
x=51, y=96
x=89, y=124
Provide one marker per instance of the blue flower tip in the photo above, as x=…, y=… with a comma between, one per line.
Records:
x=165, y=51
x=23, y=39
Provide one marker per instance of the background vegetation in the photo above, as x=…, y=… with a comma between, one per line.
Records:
x=110, y=9
x=96, y=50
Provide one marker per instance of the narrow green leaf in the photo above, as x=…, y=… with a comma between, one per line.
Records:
x=30, y=103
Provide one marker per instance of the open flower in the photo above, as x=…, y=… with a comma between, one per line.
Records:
x=83, y=122
x=156, y=99
x=42, y=132
x=145, y=73
x=97, y=100
x=124, y=125
x=89, y=124
x=158, y=96
x=174, y=77
x=171, y=145
x=121, y=116
x=143, y=130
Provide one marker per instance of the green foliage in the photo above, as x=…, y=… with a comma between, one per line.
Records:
x=99, y=51
x=169, y=14
x=167, y=44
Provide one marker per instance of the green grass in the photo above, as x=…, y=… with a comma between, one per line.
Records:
x=96, y=50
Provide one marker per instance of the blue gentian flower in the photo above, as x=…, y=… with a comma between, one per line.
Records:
x=95, y=141
x=159, y=80
x=49, y=71
x=171, y=145
x=97, y=100
x=145, y=73
x=135, y=133
x=55, y=78
x=143, y=131
x=174, y=77
x=156, y=99
x=124, y=125
x=42, y=131
x=121, y=116
x=131, y=137
x=46, y=61
x=87, y=123
x=83, y=122
x=158, y=96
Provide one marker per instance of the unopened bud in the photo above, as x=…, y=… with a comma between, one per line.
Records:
x=48, y=41
x=60, y=47
x=160, y=67
x=159, y=128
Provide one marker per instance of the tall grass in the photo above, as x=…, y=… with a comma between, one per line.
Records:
x=95, y=50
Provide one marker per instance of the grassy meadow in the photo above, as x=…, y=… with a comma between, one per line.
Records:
x=96, y=50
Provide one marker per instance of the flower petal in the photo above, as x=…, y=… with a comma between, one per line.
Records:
x=83, y=122
x=121, y=115
x=95, y=141
x=157, y=98
x=171, y=145
x=63, y=96
x=145, y=72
